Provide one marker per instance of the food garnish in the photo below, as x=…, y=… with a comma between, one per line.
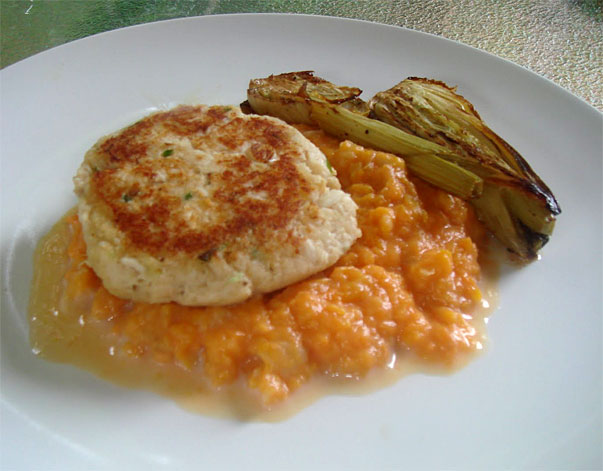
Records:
x=516, y=204
x=422, y=157
x=440, y=136
x=289, y=96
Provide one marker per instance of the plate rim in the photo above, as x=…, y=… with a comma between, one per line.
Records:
x=150, y=24
x=307, y=17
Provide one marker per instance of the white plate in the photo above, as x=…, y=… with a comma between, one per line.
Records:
x=533, y=400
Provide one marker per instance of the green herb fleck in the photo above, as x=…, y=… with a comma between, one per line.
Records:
x=126, y=197
x=188, y=196
x=167, y=152
x=329, y=166
x=238, y=276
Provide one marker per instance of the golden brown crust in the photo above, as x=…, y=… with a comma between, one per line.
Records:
x=152, y=214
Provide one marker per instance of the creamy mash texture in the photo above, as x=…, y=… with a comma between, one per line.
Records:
x=405, y=295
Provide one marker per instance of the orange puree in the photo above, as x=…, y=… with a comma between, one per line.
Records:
x=407, y=288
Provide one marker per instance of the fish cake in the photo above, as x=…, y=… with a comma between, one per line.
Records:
x=204, y=205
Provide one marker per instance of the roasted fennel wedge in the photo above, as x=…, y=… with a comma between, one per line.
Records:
x=439, y=135
x=516, y=205
x=288, y=96
x=423, y=158
x=299, y=97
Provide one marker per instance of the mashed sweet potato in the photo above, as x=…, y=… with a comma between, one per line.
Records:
x=407, y=287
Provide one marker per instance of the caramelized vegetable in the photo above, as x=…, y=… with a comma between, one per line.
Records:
x=299, y=97
x=422, y=157
x=439, y=135
x=516, y=204
x=288, y=96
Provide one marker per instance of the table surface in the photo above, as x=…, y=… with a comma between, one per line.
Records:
x=558, y=39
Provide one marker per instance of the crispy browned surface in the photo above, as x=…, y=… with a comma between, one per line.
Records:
x=151, y=213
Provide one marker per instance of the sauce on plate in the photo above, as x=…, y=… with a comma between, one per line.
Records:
x=408, y=296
